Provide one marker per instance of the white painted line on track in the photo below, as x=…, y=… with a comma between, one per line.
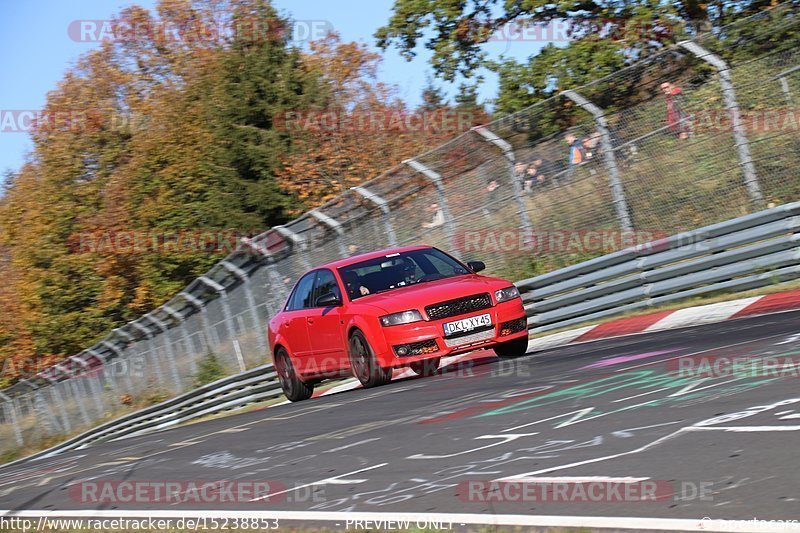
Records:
x=335, y=480
x=415, y=519
x=579, y=479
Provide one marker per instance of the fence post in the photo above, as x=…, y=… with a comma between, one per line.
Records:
x=152, y=348
x=230, y=325
x=251, y=302
x=80, y=394
x=298, y=243
x=198, y=304
x=384, y=207
x=12, y=414
x=96, y=391
x=129, y=364
x=336, y=226
x=781, y=77
x=436, y=179
x=168, y=345
x=732, y=106
x=511, y=159
x=274, y=277
x=617, y=190
x=186, y=339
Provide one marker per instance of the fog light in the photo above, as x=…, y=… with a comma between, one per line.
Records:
x=416, y=348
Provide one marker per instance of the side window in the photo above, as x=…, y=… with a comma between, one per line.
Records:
x=301, y=296
x=326, y=283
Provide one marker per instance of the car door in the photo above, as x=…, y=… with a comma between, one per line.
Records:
x=294, y=327
x=325, y=326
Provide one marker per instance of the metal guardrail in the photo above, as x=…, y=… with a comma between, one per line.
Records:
x=740, y=254
x=229, y=393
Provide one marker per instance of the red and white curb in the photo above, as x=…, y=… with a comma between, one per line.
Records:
x=664, y=320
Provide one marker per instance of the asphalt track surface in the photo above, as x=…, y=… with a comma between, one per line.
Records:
x=724, y=447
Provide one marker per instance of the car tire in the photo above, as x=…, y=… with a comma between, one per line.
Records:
x=427, y=367
x=293, y=387
x=511, y=349
x=363, y=363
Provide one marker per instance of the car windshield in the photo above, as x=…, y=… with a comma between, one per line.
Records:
x=397, y=270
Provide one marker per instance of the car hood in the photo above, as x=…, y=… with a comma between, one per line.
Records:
x=431, y=292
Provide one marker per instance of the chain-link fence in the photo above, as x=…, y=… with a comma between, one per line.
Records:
x=709, y=132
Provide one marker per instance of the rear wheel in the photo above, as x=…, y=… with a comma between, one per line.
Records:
x=364, y=364
x=513, y=348
x=293, y=387
x=427, y=367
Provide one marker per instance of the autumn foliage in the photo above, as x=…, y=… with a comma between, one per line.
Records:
x=176, y=135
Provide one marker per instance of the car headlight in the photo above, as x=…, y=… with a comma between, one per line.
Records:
x=503, y=295
x=403, y=317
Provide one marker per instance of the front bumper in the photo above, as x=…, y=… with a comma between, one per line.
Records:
x=507, y=318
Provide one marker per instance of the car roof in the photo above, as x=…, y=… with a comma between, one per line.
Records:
x=339, y=263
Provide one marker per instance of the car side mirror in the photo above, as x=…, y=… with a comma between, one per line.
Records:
x=328, y=299
x=476, y=266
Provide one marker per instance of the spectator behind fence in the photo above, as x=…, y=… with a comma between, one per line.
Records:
x=491, y=204
x=677, y=119
x=545, y=171
x=438, y=217
x=577, y=155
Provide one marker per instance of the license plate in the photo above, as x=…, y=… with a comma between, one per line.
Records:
x=467, y=324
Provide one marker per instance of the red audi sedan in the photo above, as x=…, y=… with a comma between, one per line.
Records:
x=403, y=307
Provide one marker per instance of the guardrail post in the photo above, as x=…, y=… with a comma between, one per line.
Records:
x=152, y=349
x=11, y=414
x=739, y=136
x=336, y=226
x=230, y=325
x=617, y=190
x=251, y=303
x=298, y=243
x=511, y=159
x=168, y=345
x=436, y=179
x=384, y=207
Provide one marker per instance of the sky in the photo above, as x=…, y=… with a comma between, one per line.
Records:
x=37, y=50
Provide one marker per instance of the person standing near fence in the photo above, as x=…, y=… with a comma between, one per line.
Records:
x=677, y=119
x=577, y=155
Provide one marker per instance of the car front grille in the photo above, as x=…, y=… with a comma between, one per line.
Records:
x=459, y=306
x=470, y=339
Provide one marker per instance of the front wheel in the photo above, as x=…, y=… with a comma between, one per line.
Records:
x=364, y=364
x=293, y=387
x=427, y=367
x=511, y=349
